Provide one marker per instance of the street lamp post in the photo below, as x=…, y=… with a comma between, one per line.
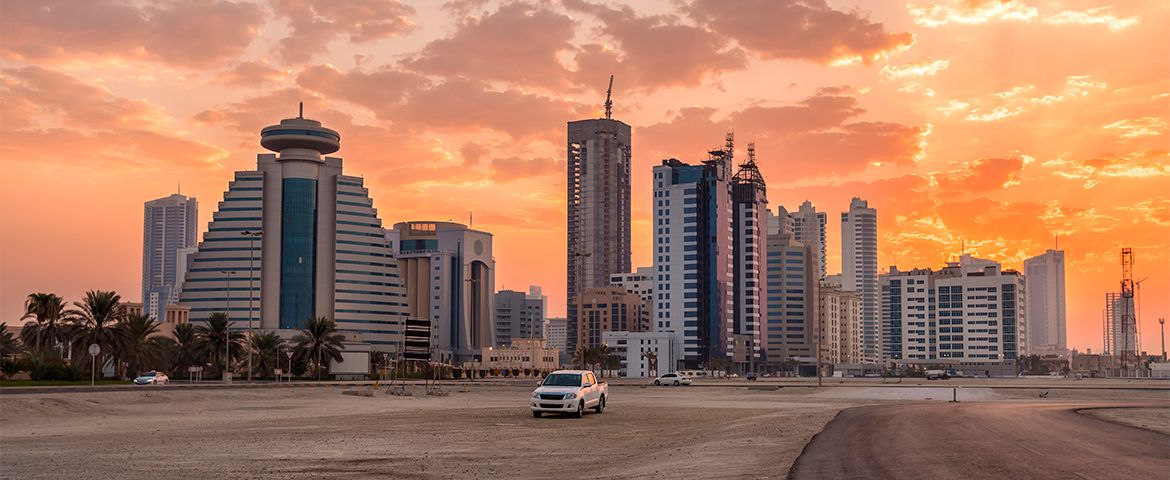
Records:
x=227, y=332
x=252, y=235
x=1162, y=324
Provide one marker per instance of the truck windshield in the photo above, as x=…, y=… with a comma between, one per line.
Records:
x=563, y=380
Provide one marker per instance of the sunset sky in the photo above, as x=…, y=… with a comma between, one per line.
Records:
x=1001, y=124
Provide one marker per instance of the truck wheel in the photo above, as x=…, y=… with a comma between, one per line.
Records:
x=600, y=408
x=580, y=410
x=536, y=414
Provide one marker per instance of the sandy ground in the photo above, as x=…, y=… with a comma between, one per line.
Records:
x=476, y=432
x=1156, y=419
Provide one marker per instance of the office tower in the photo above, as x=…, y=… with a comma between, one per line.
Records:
x=792, y=302
x=810, y=227
x=694, y=295
x=449, y=273
x=323, y=252
x=606, y=309
x=598, y=216
x=169, y=224
x=518, y=315
x=859, y=271
x=840, y=322
x=536, y=304
x=970, y=313
x=640, y=283
x=1044, y=275
x=554, y=332
x=780, y=223
x=749, y=201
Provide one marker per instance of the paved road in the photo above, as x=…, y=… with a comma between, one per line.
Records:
x=981, y=440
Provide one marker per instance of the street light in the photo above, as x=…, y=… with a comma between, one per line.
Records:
x=252, y=235
x=227, y=332
x=1162, y=324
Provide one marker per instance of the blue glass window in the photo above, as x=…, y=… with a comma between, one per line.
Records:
x=298, y=252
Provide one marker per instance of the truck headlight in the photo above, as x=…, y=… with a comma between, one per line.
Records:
x=535, y=395
x=570, y=396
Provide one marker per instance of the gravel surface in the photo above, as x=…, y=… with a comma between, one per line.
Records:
x=1156, y=419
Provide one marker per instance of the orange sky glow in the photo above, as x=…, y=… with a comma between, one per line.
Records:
x=1001, y=125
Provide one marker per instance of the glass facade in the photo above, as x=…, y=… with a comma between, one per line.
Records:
x=298, y=252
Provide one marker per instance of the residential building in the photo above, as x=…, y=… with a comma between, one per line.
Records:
x=780, y=223
x=694, y=295
x=1044, y=275
x=859, y=272
x=449, y=273
x=598, y=215
x=792, y=303
x=840, y=323
x=555, y=332
x=522, y=354
x=967, y=313
x=323, y=252
x=518, y=315
x=749, y=201
x=640, y=283
x=168, y=224
x=810, y=228
x=606, y=309
x=644, y=354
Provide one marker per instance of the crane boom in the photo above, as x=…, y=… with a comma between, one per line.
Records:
x=608, y=101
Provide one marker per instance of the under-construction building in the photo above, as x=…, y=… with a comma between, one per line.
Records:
x=598, y=217
x=1120, y=330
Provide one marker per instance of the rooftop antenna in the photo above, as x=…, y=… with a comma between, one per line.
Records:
x=608, y=100
x=301, y=110
x=179, y=191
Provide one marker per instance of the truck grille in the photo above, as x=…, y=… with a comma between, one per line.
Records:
x=552, y=396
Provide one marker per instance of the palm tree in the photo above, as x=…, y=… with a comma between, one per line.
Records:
x=136, y=348
x=187, y=350
x=318, y=341
x=96, y=319
x=8, y=345
x=215, y=336
x=651, y=363
x=266, y=346
x=602, y=358
x=48, y=328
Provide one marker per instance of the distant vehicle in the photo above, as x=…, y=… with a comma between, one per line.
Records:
x=152, y=378
x=569, y=391
x=672, y=378
x=733, y=375
x=751, y=376
x=871, y=375
x=937, y=375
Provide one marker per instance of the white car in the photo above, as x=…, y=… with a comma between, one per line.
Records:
x=152, y=378
x=569, y=391
x=675, y=379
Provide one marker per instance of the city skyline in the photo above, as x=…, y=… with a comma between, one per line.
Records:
x=951, y=153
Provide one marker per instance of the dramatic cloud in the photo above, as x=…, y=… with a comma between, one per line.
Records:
x=315, y=23
x=1014, y=102
x=513, y=168
x=972, y=12
x=518, y=44
x=472, y=152
x=464, y=105
x=800, y=29
x=927, y=67
x=195, y=34
x=252, y=73
x=1143, y=164
x=382, y=91
x=655, y=51
x=31, y=93
x=1138, y=127
x=983, y=175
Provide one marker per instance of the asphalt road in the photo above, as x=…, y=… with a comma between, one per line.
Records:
x=981, y=440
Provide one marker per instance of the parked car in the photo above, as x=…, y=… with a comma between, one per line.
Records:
x=569, y=391
x=751, y=376
x=152, y=378
x=937, y=375
x=733, y=375
x=672, y=378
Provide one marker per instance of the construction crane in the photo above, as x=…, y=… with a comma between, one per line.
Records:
x=1126, y=303
x=608, y=100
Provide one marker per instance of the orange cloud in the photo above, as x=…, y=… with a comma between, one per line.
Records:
x=315, y=23
x=251, y=73
x=983, y=175
x=512, y=168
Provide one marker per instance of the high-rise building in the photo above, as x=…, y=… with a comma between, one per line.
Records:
x=323, y=252
x=1120, y=326
x=450, y=278
x=749, y=201
x=598, y=217
x=840, y=323
x=1044, y=275
x=536, y=304
x=780, y=223
x=169, y=224
x=555, y=332
x=518, y=315
x=695, y=295
x=810, y=227
x=859, y=272
x=640, y=283
x=792, y=302
x=969, y=313
x=606, y=309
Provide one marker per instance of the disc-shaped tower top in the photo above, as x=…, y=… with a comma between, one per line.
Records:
x=300, y=132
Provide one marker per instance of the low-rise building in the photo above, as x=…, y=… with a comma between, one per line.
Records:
x=174, y=315
x=644, y=354
x=840, y=313
x=607, y=309
x=521, y=354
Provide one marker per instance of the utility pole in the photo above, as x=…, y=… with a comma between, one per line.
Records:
x=227, y=331
x=1162, y=323
x=252, y=235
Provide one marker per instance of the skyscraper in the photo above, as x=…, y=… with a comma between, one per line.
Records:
x=598, y=217
x=1046, y=321
x=792, y=303
x=694, y=295
x=859, y=271
x=810, y=229
x=323, y=252
x=749, y=202
x=449, y=274
x=168, y=224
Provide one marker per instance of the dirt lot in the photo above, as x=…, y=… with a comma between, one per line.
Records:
x=481, y=432
x=1156, y=419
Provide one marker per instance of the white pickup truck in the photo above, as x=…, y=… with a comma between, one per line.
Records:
x=569, y=391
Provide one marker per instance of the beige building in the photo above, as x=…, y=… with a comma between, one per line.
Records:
x=606, y=309
x=523, y=353
x=175, y=315
x=840, y=318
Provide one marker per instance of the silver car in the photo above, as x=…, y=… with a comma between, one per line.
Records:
x=152, y=378
x=672, y=379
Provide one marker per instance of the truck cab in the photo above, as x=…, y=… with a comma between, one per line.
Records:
x=569, y=391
